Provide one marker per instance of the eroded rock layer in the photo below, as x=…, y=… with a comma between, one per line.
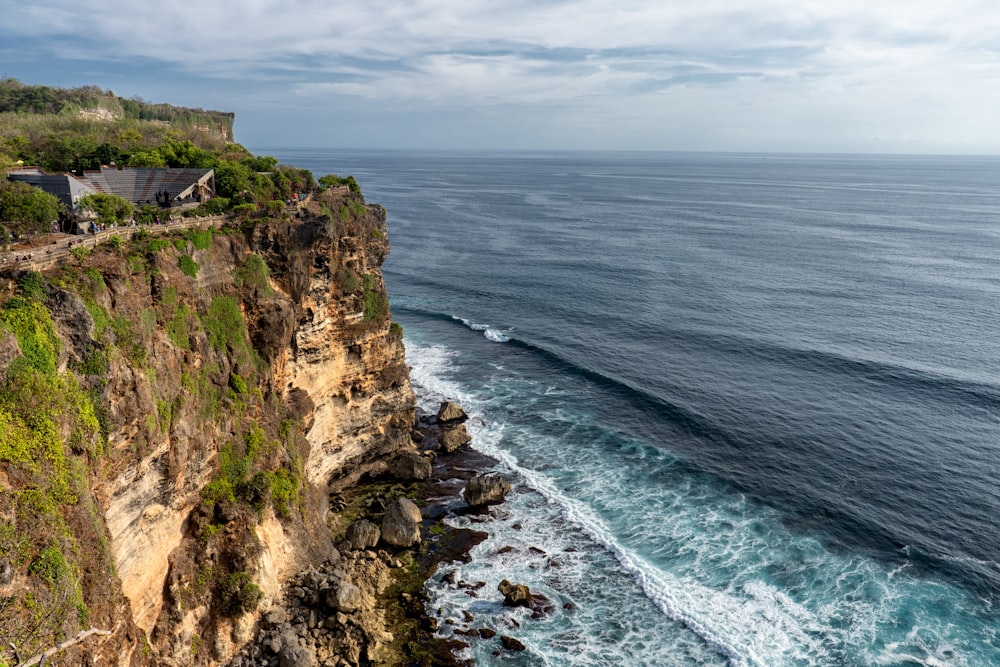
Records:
x=230, y=380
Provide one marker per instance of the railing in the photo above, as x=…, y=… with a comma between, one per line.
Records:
x=52, y=254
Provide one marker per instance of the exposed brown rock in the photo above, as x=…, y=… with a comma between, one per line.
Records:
x=362, y=534
x=401, y=523
x=511, y=644
x=454, y=438
x=450, y=412
x=514, y=595
x=410, y=466
x=488, y=489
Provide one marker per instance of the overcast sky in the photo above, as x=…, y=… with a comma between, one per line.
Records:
x=872, y=76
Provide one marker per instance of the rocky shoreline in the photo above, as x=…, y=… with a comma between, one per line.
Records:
x=365, y=604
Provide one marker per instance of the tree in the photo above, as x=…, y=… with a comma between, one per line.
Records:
x=25, y=209
x=109, y=208
x=232, y=177
x=147, y=158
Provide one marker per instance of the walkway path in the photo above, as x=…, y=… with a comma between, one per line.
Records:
x=54, y=253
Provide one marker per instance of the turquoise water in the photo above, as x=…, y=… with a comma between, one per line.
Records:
x=749, y=403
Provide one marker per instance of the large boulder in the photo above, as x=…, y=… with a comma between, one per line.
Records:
x=451, y=412
x=514, y=595
x=401, y=523
x=293, y=654
x=489, y=489
x=346, y=597
x=362, y=534
x=511, y=644
x=410, y=466
x=454, y=438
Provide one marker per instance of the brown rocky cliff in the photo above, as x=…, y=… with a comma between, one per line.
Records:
x=232, y=403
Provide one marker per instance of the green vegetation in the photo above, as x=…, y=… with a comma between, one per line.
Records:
x=201, y=239
x=159, y=245
x=376, y=305
x=348, y=281
x=17, y=97
x=253, y=272
x=43, y=127
x=332, y=180
x=238, y=593
x=108, y=208
x=243, y=476
x=31, y=324
x=179, y=326
x=25, y=209
x=188, y=266
x=79, y=253
x=45, y=418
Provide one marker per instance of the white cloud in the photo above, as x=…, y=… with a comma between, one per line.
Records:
x=709, y=59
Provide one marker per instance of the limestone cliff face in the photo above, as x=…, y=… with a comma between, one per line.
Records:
x=232, y=402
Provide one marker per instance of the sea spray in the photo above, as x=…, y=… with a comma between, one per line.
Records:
x=698, y=563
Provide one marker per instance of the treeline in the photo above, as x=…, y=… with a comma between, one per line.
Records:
x=41, y=126
x=244, y=183
x=59, y=143
x=18, y=98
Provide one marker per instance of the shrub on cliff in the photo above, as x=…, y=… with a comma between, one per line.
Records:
x=108, y=208
x=238, y=593
x=25, y=209
x=332, y=180
x=187, y=264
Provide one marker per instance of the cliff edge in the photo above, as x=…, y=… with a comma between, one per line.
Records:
x=175, y=413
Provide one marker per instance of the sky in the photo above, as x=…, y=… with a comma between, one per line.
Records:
x=841, y=76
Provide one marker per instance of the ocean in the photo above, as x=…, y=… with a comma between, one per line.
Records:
x=750, y=404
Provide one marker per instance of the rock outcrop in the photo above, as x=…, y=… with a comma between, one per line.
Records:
x=454, y=438
x=450, y=413
x=362, y=534
x=488, y=489
x=209, y=418
x=401, y=524
x=514, y=595
x=410, y=466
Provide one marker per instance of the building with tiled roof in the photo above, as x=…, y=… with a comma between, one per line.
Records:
x=139, y=185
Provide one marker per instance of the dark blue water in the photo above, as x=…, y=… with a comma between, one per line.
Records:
x=750, y=402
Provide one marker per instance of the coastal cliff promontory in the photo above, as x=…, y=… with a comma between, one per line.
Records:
x=176, y=411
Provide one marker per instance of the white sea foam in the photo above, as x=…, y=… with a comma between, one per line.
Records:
x=427, y=366
x=703, y=560
x=490, y=333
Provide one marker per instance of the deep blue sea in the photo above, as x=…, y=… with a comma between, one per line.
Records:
x=750, y=403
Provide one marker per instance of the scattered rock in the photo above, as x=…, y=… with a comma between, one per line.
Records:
x=416, y=436
x=489, y=489
x=514, y=595
x=346, y=598
x=410, y=466
x=362, y=534
x=454, y=438
x=486, y=633
x=293, y=654
x=401, y=523
x=467, y=616
x=451, y=412
x=511, y=644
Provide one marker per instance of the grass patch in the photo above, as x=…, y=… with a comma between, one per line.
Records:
x=201, y=239
x=253, y=272
x=188, y=266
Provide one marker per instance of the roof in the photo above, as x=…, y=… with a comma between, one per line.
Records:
x=141, y=185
